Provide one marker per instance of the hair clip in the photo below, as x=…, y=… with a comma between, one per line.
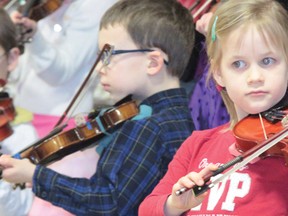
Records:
x=213, y=33
x=219, y=87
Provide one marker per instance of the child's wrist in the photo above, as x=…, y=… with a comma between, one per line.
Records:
x=170, y=209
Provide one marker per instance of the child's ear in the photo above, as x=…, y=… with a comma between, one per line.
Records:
x=13, y=57
x=218, y=77
x=156, y=62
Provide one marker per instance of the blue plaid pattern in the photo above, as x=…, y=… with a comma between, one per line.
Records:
x=129, y=167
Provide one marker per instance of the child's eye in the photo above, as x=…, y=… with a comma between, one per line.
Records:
x=268, y=61
x=238, y=64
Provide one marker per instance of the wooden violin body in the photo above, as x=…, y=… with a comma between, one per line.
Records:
x=38, y=9
x=79, y=137
x=5, y=127
x=35, y=10
x=7, y=114
x=7, y=107
x=252, y=131
x=63, y=144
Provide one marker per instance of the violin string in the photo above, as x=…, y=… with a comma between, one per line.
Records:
x=81, y=96
x=106, y=47
x=263, y=128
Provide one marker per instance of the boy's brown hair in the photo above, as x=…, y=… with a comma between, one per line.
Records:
x=164, y=24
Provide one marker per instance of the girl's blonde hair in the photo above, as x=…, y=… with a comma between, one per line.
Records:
x=269, y=18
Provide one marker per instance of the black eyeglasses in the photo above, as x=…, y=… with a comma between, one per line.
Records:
x=109, y=52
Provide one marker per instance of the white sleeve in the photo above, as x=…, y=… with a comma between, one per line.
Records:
x=59, y=56
x=14, y=202
x=23, y=135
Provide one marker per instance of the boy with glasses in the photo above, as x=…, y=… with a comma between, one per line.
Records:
x=145, y=48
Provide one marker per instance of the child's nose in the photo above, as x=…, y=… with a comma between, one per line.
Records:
x=255, y=75
x=100, y=68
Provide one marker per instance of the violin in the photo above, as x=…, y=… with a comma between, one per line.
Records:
x=253, y=139
x=35, y=10
x=56, y=145
x=7, y=114
x=5, y=127
x=254, y=129
x=6, y=106
x=80, y=137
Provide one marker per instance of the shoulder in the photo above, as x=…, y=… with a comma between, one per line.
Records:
x=166, y=119
x=212, y=133
x=202, y=138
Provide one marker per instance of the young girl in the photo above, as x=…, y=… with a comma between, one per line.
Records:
x=248, y=52
x=17, y=201
x=13, y=201
x=141, y=61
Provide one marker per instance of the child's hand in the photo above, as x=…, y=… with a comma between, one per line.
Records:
x=15, y=170
x=203, y=23
x=176, y=205
x=29, y=25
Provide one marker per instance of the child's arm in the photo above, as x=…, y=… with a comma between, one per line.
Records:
x=203, y=22
x=177, y=204
x=29, y=25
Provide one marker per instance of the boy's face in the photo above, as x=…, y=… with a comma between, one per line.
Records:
x=126, y=73
x=253, y=71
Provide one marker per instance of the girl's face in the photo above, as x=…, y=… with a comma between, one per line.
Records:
x=253, y=72
x=126, y=73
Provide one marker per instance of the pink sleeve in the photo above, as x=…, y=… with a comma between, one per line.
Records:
x=154, y=203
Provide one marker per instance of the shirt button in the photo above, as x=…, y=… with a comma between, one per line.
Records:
x=43, y=194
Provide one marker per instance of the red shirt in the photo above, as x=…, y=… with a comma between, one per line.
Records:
x=257, y=189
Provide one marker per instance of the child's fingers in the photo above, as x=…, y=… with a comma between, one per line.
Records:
x=6, y=161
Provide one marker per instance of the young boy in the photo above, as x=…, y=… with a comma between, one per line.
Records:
x=149, y=46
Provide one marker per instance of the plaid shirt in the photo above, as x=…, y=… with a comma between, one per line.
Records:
x=130, y=166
